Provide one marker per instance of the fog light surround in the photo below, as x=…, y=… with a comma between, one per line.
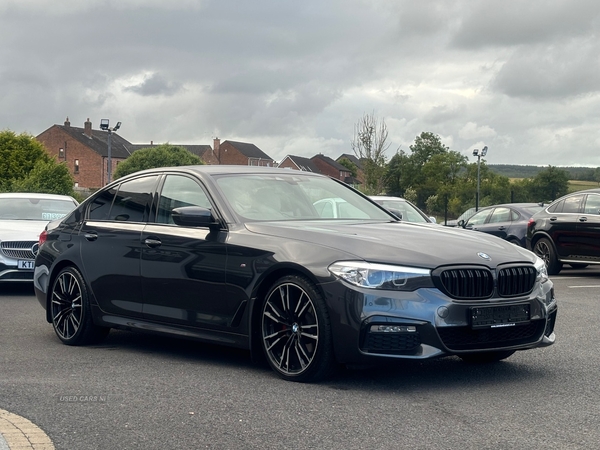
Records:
x=393, y=329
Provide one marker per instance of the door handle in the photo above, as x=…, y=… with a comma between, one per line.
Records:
x=90, y=236
x=553, y=219
x=152, y=243
x=502, y=227
x=583, y=219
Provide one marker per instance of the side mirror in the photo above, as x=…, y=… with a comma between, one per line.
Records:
x=460, y=223
x=433, y=219
x=395, y=212
x=193, y=216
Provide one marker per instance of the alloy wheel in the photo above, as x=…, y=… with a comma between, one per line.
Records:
x=67, y=305
x=290, y=329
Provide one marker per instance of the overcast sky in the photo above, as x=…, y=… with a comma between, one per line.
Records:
x=294, y=77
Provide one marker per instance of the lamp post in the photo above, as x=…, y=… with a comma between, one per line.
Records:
x=479, y=154
x=104, y=126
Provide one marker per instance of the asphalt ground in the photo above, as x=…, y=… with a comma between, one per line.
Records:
x=137, y=391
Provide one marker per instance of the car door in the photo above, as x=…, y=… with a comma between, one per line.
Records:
x=498, y=222
x=184, y=268
x=588, y=229
x=478, y=220
x=110, y=245
x=562, y=225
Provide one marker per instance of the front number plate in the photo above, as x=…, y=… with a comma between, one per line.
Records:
x=26, y=264
x=499, y=316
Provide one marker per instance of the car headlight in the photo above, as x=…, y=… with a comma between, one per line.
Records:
x=382, y=276
x=542, y=271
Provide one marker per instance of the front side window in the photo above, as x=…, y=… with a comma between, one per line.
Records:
x=479, y=218
x=179, y=191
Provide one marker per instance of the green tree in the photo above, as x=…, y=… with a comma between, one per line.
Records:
x=349, y=165
x=164, y=155
x=550, y=184
x=46, y=177
x=370, y=144
x=597, y=175
x=396, y=174
x=25, y=165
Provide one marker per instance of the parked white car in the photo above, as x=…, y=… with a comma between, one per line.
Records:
x=23, y=216
x=400, y=206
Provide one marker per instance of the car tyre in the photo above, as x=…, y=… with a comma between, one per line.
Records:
x=545, y=250
x=70, y=310
x=296, y=331
x=486, y=357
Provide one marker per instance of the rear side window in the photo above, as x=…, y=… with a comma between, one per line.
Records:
x=130, y=203
x=592, y=204
x=100, y=206
x=572, y=204
x=500, y=215
x=133, y=200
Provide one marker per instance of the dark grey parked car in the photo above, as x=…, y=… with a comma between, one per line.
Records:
x=240, y=256
x=507, y=221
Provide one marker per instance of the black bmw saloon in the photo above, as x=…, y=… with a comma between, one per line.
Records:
x=245, y=257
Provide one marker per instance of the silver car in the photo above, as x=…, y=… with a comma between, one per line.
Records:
x=23, y=217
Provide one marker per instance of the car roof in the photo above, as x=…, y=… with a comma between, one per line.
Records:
x=35, y=195
x=386, y=197
x=512, y=205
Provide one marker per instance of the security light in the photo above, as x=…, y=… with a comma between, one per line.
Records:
x=118, y=125
x=475, y=152
x=104, y=124
x=483, y=150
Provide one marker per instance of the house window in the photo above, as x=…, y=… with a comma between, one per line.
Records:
x=76, y=168
x=61, y=153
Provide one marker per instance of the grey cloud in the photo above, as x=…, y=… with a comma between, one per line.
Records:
x=155, y=84
x=514, y=22
x=551, y=71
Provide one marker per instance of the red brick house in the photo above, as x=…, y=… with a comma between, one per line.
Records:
x=328, y=166
x=241, y=154
x=360, y=174
x=298, y=163
x=85, y=151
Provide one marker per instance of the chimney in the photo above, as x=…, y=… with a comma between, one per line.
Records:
x=217, y=149
x=87, y=128
x=67, y=123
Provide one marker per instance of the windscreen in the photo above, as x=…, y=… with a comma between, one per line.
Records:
x=34, y=208
x=267, y=197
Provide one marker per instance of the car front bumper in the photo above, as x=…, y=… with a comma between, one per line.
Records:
x=369, y=325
